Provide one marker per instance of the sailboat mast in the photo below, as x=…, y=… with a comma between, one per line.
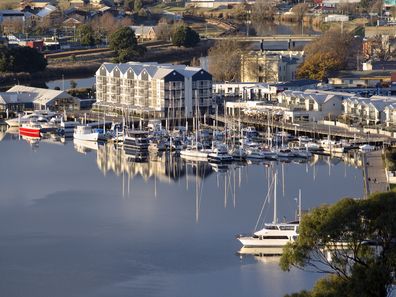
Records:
x=299, y=205
x=275, y=211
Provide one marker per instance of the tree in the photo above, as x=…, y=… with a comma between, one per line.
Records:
x=344, y=232
x=86, y=35
x=300, y=10
x=319, y=65
x=263, y=10
x=137, y=6
x=332, y=51
x=185, y=36
x=73, y=84
x=26, y=59
x=225, y=60
x=124, y=43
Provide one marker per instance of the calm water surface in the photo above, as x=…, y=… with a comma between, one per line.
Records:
x=78, y=221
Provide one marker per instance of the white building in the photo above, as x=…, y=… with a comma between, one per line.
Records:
x=153, y=89
x=21, y=97
x=311, y=105
x=370, y=111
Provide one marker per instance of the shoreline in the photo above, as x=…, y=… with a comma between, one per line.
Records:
x=87, y=66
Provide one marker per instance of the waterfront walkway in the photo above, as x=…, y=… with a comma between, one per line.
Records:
x=374, y=171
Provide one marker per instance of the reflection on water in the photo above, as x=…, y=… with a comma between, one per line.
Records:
x=272, y=28
x=97, y=224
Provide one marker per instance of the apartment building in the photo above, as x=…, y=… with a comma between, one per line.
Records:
x=153, y=90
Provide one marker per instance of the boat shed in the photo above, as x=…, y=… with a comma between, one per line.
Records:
x=46, y=98
x=15, y=102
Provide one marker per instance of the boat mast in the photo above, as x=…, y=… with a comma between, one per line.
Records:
x=275, y=218
x=299, y=205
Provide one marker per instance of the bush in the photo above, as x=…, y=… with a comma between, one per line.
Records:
x=185, y=36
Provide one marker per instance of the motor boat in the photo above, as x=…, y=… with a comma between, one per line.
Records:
x=83, y=132
x=272, y=235
x=302, y=152
x=220, y=155
x=285, y=153
x=30, y=129
x=136, y=141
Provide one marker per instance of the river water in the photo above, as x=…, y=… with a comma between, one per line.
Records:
x=82, y=220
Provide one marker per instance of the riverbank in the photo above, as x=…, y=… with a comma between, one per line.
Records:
x=86, y=65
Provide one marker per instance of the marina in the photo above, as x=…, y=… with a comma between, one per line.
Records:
x=113, y=202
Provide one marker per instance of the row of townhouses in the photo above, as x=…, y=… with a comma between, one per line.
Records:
x=161, y=90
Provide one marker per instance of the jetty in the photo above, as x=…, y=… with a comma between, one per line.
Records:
x=374, y=173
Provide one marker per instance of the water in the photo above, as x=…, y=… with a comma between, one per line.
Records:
x=266, y=28
x=65, y=84
x=82, y=221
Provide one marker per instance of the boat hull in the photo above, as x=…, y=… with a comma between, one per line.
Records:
x=33, y=132
x=250, y=242
x=87, y=137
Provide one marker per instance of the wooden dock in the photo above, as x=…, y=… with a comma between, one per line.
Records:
x=374, y=173
x=315, y=130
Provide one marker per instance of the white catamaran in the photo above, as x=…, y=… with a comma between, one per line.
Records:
x=273, y=234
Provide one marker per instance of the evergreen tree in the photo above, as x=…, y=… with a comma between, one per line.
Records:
x=185, y=36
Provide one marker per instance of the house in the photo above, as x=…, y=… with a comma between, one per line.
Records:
x=261, y=91
x=153, y=89
x=246, y=91
x=44, y=98
x=311, y=105
x=12, y=21
x=144, y=33
x=369, y=111
x=359, y=79
x=270, y=66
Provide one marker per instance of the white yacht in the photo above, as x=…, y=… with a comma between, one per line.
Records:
x=29, y=117
x=238, y=153
x=272, y=235
x=193, y=153
x=83, y=132
x=220, y=155
x=302, y=152
x=330, y=146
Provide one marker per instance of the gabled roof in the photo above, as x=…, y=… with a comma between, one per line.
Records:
x=46, y=11
x=40, y=95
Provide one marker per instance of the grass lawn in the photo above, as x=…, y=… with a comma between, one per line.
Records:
x=8, y=3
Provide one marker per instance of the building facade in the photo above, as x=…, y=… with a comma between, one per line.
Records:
x=270, y=66
x=159, y=90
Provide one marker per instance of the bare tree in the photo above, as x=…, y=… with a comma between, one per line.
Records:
x=263, y=10
x=225, y=60
x=300, y=10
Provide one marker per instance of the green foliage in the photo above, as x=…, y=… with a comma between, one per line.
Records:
x=86, y=35
x=137, y=6
x=124, y=43
x=390, y=159
x=343, y=231
x=185, y=36
x=73, y=84
x=21, y=59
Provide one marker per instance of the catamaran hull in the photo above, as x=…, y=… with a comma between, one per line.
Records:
x=255, y=242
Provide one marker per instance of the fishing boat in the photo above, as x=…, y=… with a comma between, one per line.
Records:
x=30, y=129
x=84, y=132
